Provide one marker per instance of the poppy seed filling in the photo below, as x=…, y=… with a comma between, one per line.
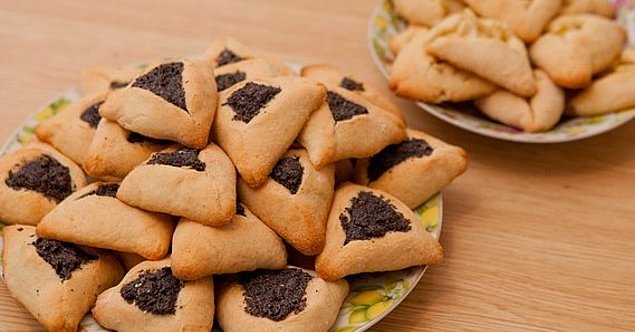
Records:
x=351, y=85
x=395, y=154
x=185, y=157
x=104, y=190
x=247, y=101
x=226, y=57
x=64, y=258
x=136, y=138
x=165, y=81
x=371, y=216
x=44, y=175
x=91, y=115
x=154, y=291
x=225, y=81
x=288, y=172
x=275, y=294
x=343, y=109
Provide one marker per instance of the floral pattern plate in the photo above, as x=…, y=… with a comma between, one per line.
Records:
x=372, y=295
x=385, y=23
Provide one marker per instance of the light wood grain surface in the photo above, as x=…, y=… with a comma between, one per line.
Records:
x=537, y=237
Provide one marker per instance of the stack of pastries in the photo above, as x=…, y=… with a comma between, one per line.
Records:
x=522, y=63
x=157, y=179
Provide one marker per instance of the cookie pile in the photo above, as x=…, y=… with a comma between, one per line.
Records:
x=229, y=165
x=522, y=63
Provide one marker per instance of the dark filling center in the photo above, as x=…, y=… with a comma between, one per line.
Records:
x=288, y=172
x=154, y=291
x=118, y=85
x=275, y=294
x=185, y=157
x=107, y=190
x=247, y=101
x=226, y=57
x=240, y=209
x=343, y=109
x=351, y=85
x=395, y=154
x=91, y=115
x=370, y=217
x=165, y=81
x=136, y=138
x=225, y=81
x=44, y=175
x=64, y=257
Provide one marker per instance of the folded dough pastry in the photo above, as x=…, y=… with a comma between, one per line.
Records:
x=150, y=298
x=429, y=160
x=94, y=217
x=527, y=19
x=485, y=47
x=174, y=101
x=259, y=120
x=415, y=74
x=247, y=70
x=324, y=73
x=333, y=133
x=370, y=231
x=197, y=185
x=576, y=47
x=245, y=244
x=71, y=130
x=294, y=201
x=34, y=180
x=598, y=7
x=114, y=151
x=400, y=40
x=56, y=282
x=227, y=50
x=538, y=113
x=287, y=300
x=610, y=93
x=104, y=79
x=427, y=12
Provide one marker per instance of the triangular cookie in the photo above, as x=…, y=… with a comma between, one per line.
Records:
x=150, y=298
x=527, y=19
x=370, y=231
x=324, y=73
x=538, y=113
x=72, y=130
x=114, y=151
x=484, y=47
x=244, y=244
x=415, y=74
x=427, y=12
x=287, y=300
x=335, y=130
x=247, y=70
x=420, y=156
x=259, y=120
x=57, y=282
x=94, y=217
x=197, y=185
x=610, y=93
x=576, y=47
x=294, y=201
x=174, y=101
x=226, y=50
x=104, y=79
x=33, y=180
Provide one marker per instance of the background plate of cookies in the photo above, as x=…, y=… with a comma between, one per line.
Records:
x=555, y=72
x=222, y=188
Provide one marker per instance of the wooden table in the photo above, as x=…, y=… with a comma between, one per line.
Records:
x=537, y=237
